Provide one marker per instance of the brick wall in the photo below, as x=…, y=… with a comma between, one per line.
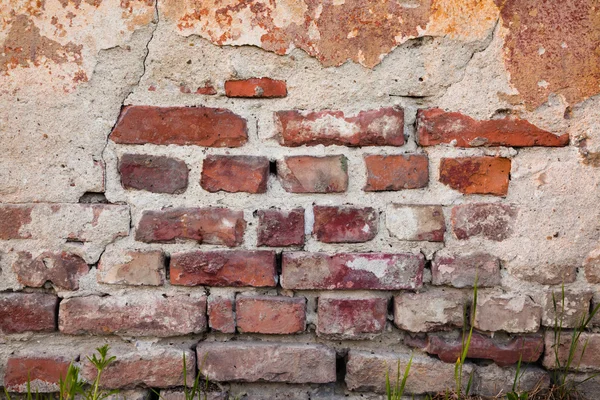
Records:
x=294, y=226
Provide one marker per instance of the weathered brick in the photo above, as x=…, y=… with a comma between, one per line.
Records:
x=200, y=126
x=268, y=362
x=204, y=225
x=132, y=267
x=307, y=174
x=476, y=175
x=414, y=222
x=23, y=312
x=235, y=174
x=512, y=313
x=62, y=269
x=256, y=87
x=568, y=313
x=157, y=367
x=42, y=373
x=461, y=270
x=12, y=218
x=434, y=309
x=158, y=174
x=396, y=172
x=383, y=127
x=366, y=372
x=586, y=353
x=491, y=221
x=280, y=228
x=492, y=380
x=179, y=394
x=270, y=314
x=435, y=126
x=344, y=224
x=351, y=318
x=224, y=268
x=376, y=271
x=502, y=349
x=591, y=266
x=221, y=317
x=144, y=314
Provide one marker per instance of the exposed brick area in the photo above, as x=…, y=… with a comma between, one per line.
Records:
x=436, y=309
x=221, y=317
x=351, y=318
x=345, y=224
x=199, y=126
x=396, y=172
x=436, y=126
x=24, y=312
x=235, y=174
x=256, y=87
x=491, y=221
x=270, y=314
x=461, y=270
x=416, y=223
x=12, y=217
x=383, y=127
x=42, y=373
x=307, y=174
x=156, y=174
x=132, y=268
x=280, y=228
x=587, y=360
x=514, y=313
x=476, y=175
x=62, y=269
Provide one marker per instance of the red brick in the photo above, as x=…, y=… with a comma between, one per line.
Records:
x=144, y=314
x=376, y=271
x=416, y=222
x=157, y=367
x=132, y=267
x=43, y=373
x=476, y=175
x=396, y=172
x=502, y=349
x=200, y=126
x=207, y=89
x=204, y=225
x=270, y=314
x=23, y=312
x=583, y=360
x=491, y=221
x=156, y=174
x=12, y=218
x=224, y=268
x=435, y=126
x=235, y=174
x=220, y=314
x=266, y=362
x=280, y=228
x=307, y=174
x=345, y=224
x=256, y=87
x=510, y=312
x=351, y=318
x=462, y=269
x=62, y=269
x=382, y=127
x=434, y=309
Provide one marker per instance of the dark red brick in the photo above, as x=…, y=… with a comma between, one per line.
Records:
x=62, y=269
x=345, y=224
x=504, y=350
x=200, y=126
x=256, y=87
x=157, y=174
x=235, y=174
x=476, y=175
x=435, y=126
x=376, y=271
x=382, y=127
x=351, y=318
x=221, y=317
x=224, y=268
x=270, y=314
x=307, y=174
x=396, y=172
x=23, y=312
x=12, y=218
x=493, y=221
x=43, y=373
x=204, y=225
x=145, y=314
x=462, y=269
x=280, y=228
